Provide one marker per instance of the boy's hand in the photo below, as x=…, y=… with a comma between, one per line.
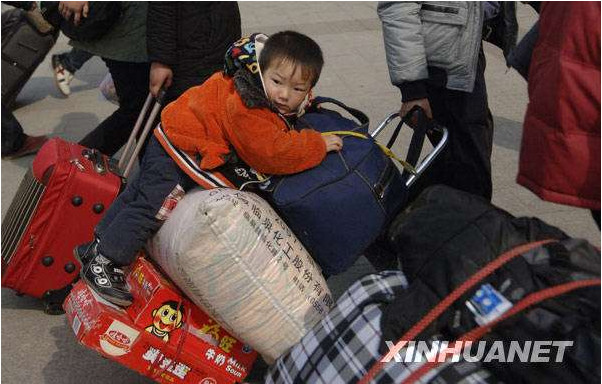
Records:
x=333, y=143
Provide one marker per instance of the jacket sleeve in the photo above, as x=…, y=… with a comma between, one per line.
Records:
x=162, y=32
x=180, y=124
x=260, y=141
x=404, y=47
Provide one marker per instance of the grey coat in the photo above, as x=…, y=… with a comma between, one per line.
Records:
x=445, y=35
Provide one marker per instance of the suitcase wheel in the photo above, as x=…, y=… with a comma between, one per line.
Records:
x=53, y=300
x=53, y=308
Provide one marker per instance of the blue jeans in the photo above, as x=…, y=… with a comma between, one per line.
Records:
x=74, y=59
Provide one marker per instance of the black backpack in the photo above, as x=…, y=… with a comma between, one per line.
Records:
x=455, y=249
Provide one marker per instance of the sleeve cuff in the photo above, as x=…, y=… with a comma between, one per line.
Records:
x=413, y=90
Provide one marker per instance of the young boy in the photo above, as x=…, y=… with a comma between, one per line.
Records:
x=242, y=113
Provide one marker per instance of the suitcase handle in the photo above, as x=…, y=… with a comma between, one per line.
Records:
x=97, y=160
x=424, y=125
x=129, y=159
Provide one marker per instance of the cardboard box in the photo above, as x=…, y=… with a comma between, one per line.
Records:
x=192, y=348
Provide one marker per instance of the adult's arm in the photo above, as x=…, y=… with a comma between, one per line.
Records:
x=404, y=47
x=261, y=141
x=161, y=32
x=161, y=43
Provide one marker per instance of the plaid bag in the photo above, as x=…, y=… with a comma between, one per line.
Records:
x=344, y=345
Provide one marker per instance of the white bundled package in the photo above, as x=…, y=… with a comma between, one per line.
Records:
x=234, y=257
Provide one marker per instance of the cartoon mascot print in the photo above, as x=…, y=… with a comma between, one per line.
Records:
x=166, y=318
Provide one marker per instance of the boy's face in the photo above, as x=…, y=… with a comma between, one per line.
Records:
x=285, y=86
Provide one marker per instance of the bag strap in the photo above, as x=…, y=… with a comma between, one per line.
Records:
x=387, y=151
x=417, y=140
x=359, y=115
x=478, y=332
x=444, y=304
x=423, y=127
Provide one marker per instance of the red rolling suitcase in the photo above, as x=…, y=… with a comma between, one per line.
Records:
x=59, y=202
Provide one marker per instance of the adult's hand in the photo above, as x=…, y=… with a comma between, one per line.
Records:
x=77, y=9
x=422, y=103
x=160, y=75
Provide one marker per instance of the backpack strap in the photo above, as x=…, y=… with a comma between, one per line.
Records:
x=356, y=113
x=444, y=304
x=478, y=332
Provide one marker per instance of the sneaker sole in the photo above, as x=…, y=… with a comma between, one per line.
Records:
x=78, y=258
x=110, y=299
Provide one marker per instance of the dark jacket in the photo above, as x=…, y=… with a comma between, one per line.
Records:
x=124, y=41
x=191, y=38
x=560, y=151
x=446, y=236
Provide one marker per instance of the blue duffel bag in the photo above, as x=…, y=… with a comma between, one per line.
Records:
x=340, y=207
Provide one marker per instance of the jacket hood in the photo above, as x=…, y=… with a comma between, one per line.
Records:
x=244, y=55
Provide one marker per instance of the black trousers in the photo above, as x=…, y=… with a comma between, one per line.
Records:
x=12, y=133
x=131, y=84
x=465, y=163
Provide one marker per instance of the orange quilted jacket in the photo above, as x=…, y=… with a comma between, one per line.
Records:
x=211, y=119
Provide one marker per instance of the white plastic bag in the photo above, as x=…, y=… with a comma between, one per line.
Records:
x=107, y=88
x=233, y=256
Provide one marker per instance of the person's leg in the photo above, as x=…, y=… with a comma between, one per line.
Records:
x=131, y=85
x=465, y=162
x=120, y=238
x=65, y=65
x=12, y=133
x=15, y=143
x=469, y=168
x=160, y=179
x=74, y=59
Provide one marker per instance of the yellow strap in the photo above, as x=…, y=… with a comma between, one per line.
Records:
x=387, y=151
x=407, y=166
x=345, y=133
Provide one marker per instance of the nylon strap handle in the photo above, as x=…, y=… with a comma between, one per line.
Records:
x=478, y=332
x=444, y=304
x=387, y=151
x=356, y=113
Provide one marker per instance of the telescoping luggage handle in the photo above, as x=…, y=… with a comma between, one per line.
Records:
x=478, y=332
x=128, y=158
x=423, y=125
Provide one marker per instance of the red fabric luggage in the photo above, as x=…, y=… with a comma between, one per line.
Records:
x=61, y=198
x=59, y=202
